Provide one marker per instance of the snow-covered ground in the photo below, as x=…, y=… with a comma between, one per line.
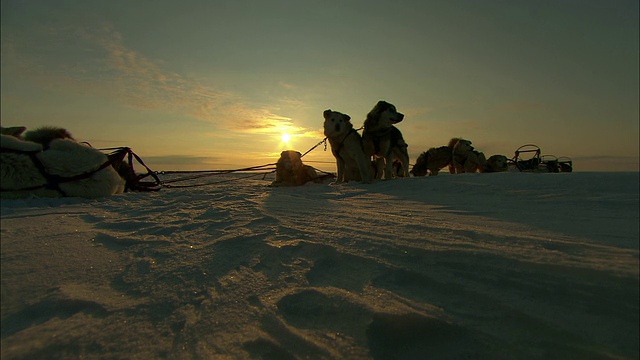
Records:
x=508, y=265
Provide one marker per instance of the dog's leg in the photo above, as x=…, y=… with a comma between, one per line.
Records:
x=388, y=167
x=403, y=156
x=364, y=166
x=378, y=162
x=340, y=166
x=458, y=165
x=387, y=153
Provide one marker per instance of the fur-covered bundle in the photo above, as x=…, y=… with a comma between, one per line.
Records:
x=53, y=164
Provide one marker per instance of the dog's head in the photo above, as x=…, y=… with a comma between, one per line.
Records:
x=478, y=158
x=497, y=163
x=336, y=123
x=14, y=131
x=382, y=116
x=420, y=168
x=462, y=147
x=290, y=160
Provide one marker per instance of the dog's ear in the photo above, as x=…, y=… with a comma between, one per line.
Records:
x=327, y=113
x=383, y=105
x=347, y=117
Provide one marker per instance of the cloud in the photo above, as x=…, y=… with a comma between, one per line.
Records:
x=103, y=65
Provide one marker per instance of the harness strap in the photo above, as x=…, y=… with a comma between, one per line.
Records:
x=127, y=171
x=377, y=135
x=53, y=181
x=336, y=151
x=145, y=185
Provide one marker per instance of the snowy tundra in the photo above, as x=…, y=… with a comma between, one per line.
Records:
x=505, y=265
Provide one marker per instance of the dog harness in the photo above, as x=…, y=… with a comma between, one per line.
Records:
x=336, y=151
x=116, y=159
x=394, y=134
x=52, y=181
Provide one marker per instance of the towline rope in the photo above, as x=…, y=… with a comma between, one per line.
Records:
x=164, y=184
x=269, y=168
x=199, y=174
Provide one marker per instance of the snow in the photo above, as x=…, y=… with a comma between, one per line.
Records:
x=507, y=265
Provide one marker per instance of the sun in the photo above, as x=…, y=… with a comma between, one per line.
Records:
x=286, y=138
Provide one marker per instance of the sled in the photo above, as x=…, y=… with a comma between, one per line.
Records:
x=528, y=158
x=565, y=164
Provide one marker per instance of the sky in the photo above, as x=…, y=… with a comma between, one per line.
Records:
x=214, y=84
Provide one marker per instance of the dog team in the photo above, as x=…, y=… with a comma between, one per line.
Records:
x=382, y=152
x=380, y=141
x=48, y=162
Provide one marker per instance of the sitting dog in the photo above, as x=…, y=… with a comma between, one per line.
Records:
x=290, y=171
x=496, y=163
x=346, y=145
x=66, y=168
x=383, y=140
x=465, y=159
x=432, y=161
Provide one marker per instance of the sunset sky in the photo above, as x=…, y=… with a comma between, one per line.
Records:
x=214, y=84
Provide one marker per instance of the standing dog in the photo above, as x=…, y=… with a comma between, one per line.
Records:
x=465, y=159
x=383, y=140
x=432, y=161
x=347, y=148
x=65, y=168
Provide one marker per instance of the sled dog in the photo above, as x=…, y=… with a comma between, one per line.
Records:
x=346, y=145
x=465, y=159
x=432, y=161
x=383, y=140
x=496, y=163
x=290, y=171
